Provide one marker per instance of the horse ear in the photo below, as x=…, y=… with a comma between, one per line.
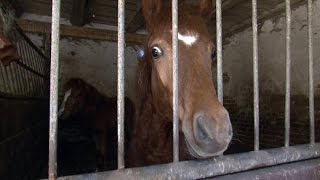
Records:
x=206, y=9
x=150, y=10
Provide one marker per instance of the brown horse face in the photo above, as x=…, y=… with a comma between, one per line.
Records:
x=203, y=120
x=73, y=102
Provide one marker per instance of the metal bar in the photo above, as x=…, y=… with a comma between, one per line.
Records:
x=121, y=46
x=30, y=43
x=27, y=65
x=311, y=83
x=288, y=73
x=255, y=75
x=33, y=66
x=175, y=71
x=21, y=80
x=294, y=171
x=54, y=75
x=5, y=78
x=9, y=81
x=17, y=77
x=12, y=79
x=217, y=166
x=219, y=51
x=23, y=71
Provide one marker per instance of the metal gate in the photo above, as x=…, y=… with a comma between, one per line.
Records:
x=192, y=169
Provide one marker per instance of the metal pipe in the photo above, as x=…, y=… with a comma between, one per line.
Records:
x=175, y=71
x=221, y=165
x=54, y=75
x=311, y=83
x=121, y=46
x=288, y=73
x=219, y=51
x=255, y=74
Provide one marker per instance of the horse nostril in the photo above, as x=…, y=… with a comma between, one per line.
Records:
x=202, y=131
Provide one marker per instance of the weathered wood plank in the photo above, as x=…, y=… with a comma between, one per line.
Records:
x=79, y=32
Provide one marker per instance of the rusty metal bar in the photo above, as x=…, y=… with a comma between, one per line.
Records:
x=175, y=71
x=219, y=51
x=255, y=74
x=311, y=82
x=54, y=75
x=288, y=73
x=121, y=46
x=217, y=166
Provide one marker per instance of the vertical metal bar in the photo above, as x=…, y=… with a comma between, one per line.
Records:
x=21, y=80
x=288, y=73
x=121, y=45
x=219, y=51
x=175, y=71
x=23, y=71
x=3, y=87
x=34, y=67
x=54, y=75
x=28, y=74
x=311, y=84
x=9, y=80
x=17, y=77
x=255, y=74
x=5, y=78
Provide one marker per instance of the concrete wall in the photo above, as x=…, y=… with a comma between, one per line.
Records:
x=93, y=61
x=237, y=56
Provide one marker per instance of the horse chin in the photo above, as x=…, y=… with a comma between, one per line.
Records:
x=195, y=150
x=199, y=154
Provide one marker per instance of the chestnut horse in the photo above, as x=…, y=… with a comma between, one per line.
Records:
x=203, y=122
x=97, y=115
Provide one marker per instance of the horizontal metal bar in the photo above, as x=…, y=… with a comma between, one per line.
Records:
x=294, y=171
x=212, y=167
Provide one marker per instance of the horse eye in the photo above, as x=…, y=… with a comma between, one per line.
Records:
x=213, y=54
x=156, y=52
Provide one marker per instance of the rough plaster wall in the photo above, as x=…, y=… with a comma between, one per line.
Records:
x=95, y=62
x=238, y=56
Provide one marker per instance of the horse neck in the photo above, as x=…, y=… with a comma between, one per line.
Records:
x=152, y=134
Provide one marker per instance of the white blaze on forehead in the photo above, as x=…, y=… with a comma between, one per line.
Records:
x=188, y=39
x=65, y=98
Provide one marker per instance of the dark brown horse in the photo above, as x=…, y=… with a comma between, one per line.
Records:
x=204, y=123
x=8, y=51
x=98, y=115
